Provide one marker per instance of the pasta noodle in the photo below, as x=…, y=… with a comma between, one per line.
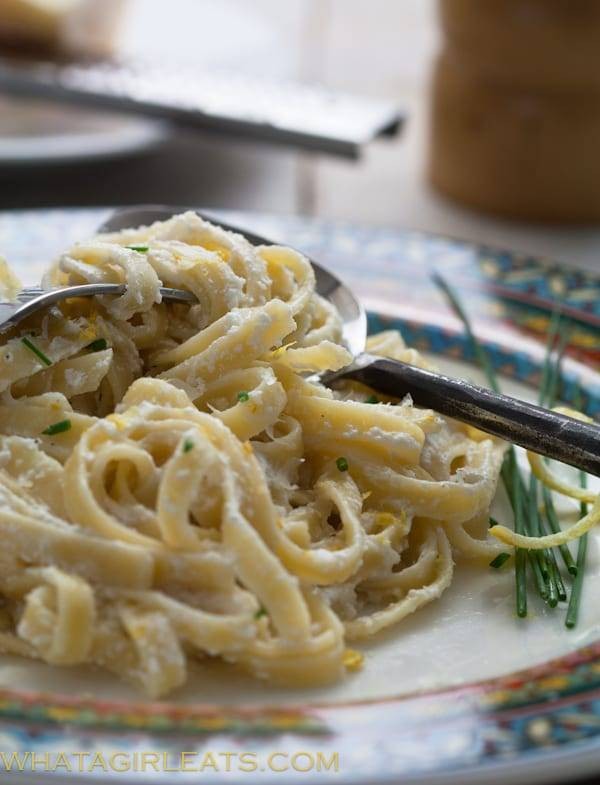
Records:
x=174, y=483
x=555, y=483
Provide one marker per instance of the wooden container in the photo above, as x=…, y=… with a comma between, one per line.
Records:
x=515, y=122
x=71, y=27
x=555, y=43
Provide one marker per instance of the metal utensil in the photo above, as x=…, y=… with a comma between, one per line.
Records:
x=236, y=104
x=34, y=298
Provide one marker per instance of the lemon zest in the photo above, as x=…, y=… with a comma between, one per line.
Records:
x=276, y=353
x=550, y=540
x=353, y=660
x=555, y=483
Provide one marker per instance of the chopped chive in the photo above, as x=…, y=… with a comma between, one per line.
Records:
x=372, y=399
x=38, y=352
x=99, y=345
x=260, y=613
x=138, y=248
x=500, y=559
x=57, y=427
x=243, y=396
x=342, y=464
x=188, y=445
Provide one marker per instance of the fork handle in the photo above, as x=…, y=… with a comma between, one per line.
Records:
x=554, y=435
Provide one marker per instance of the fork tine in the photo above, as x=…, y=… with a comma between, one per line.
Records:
x=27, y=300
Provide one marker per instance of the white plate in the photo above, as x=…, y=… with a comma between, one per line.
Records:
x=462, y=693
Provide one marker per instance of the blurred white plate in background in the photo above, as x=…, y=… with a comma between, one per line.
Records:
x=40, y=132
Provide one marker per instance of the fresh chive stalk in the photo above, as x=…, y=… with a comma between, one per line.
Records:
x=552, y=598
x=510, y=471
x=554, y=589
x=478, y=350
x=560, y=586
x=548, y=391
x=521, y=554
x=544, y=558
x=547, y=368
x=544, y=564
x=554, y=379
x=548, y=397
x=552, y=519
x=534, y=523
x=575, y=600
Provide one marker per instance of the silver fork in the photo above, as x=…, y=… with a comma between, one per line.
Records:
x=34, y=298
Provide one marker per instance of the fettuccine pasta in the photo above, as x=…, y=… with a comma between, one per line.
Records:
x=175, y=484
